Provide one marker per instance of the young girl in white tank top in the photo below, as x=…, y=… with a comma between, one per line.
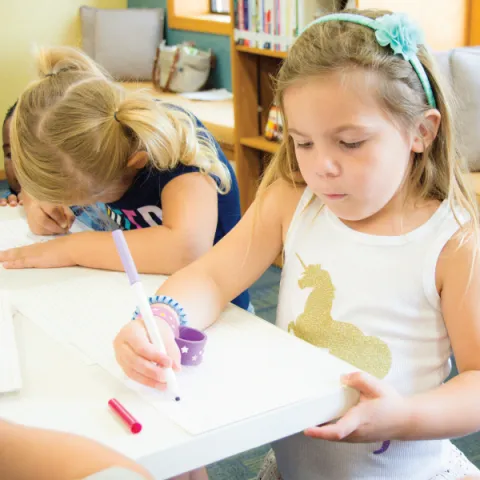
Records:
x=366, y=199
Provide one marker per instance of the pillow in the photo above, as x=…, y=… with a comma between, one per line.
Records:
x=87, y=18
x=465, y=68
x=461, y=66
x=123, y=41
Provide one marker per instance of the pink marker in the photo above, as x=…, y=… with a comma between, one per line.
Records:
x=133, y=424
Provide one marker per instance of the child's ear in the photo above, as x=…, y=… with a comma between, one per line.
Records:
x=138, y=160
x=427, y=130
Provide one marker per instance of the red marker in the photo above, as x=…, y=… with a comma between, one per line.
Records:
x=125, y=415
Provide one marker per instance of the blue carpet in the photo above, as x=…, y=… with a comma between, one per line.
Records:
x=3, y=187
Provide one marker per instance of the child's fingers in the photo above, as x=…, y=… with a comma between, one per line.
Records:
x=141, y=365
x=139, y=358
x=141, y=371
x=3, y=202
x=141, y=345
x=49, y=226
x=59, y=216
x=342, y=428
x=152, y=382
x=138, y=377
x=18, y=264
x=10, y=255
x=17, y=258
x=69, y=216
x=174, y=355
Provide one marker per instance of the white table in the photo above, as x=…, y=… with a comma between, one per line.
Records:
x=63, y=392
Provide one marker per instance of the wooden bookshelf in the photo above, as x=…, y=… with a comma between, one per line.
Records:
x=261, y=51
x=259, y=143
x=252, y=70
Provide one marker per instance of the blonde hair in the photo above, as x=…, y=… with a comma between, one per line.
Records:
x=74, y=130
x=339, y=46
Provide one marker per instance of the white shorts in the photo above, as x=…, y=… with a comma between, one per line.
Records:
x=458, y=467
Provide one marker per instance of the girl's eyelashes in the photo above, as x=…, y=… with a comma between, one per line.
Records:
x=304, y=144
x=352, y=145
x=348, y=145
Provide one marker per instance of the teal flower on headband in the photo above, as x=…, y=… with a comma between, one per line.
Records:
x=400, y=33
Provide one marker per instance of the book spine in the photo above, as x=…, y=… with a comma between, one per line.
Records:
x=268, y=15
x=235, y=14
x=252, y=21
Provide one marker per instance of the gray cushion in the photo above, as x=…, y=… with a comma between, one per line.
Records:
x=123, y=41
x=87, y=17
x=462, y=68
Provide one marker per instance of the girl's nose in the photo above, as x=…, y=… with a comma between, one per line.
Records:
x=327, y=166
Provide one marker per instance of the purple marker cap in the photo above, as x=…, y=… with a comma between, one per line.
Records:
x=125, y=256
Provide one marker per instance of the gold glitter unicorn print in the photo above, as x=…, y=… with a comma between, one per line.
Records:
x=344, y=340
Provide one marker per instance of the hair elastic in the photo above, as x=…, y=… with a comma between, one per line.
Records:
x=54, y=74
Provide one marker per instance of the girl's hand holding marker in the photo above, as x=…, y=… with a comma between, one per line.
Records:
x=139, y=356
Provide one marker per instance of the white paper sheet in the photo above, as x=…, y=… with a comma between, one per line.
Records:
x=249, y=367
x=16, y=233
x=27, y=290
x=10, y=372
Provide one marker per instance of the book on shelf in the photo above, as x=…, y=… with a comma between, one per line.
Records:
x=267, y=24
x=274, y=24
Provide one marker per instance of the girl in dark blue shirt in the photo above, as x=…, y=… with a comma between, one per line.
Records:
x=78, y=138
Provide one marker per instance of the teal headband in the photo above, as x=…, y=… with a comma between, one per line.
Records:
x=398, y=32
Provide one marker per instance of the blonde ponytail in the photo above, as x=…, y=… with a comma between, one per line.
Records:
x=170, y=135
x=74, y=130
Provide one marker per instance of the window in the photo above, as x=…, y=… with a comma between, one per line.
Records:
x=220, y=6
x=209, y=16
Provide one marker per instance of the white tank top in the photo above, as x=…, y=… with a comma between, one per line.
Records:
x=372, y=301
